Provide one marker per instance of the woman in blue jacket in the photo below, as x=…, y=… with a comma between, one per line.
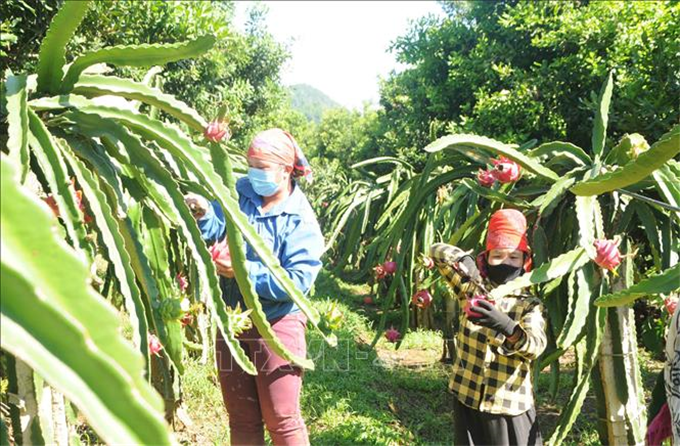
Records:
x=280, y=213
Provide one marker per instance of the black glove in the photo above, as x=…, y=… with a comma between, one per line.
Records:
x=493, y=318
x=467, y=267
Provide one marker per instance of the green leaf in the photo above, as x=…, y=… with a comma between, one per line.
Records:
x=494, y=195
x=585, y=213
x=551, y=150
x=636, y=170
x=382, y=160
x=55, y=322
x=52, y=164
x=662, y=283
x=52, y=55
x=582, y=283
x=586, y=354
x=17, y=123
x=4, y=432
x=198, y=161
x=668, y=185
x=137, y=56
x=161, y=186
x=91, y=86
x=108, y=228
x=527, y=162
x=153, y=240
x=626, y=149
x=557, y=267
x=651, y=228
x=547, y=202
x=601, y=117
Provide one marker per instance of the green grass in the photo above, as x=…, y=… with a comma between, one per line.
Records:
x=378, y=397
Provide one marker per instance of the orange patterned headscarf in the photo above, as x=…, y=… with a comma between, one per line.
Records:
x=507, y=230
x=278, y=146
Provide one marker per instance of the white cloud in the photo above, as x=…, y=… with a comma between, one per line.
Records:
x=340, y=47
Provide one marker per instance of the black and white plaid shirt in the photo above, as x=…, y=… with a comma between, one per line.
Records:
x=490, y=374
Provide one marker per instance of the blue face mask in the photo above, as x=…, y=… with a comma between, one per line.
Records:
x=263, y=181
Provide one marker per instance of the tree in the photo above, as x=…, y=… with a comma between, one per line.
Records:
x=240, y=71
x=521, y=70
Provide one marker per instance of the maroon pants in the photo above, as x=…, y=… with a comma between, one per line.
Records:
x=271, y=398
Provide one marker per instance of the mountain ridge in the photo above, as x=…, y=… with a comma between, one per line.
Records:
x=310, y=101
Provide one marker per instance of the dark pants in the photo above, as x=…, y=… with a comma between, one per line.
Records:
x=271, y=398
x=475, y=428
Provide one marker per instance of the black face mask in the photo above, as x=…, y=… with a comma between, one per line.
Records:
x=500, y=274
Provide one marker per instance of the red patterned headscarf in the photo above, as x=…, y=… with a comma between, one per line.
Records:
x=278, y=146
x=507, y=230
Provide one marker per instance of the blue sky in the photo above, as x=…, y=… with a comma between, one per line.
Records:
x=340, y=47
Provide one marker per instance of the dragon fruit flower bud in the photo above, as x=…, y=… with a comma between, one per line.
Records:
x=506, y=170
x=608, y=255
x=392, y=335
x=486, y=178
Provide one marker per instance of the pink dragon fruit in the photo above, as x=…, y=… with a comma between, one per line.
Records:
x=486, y=178
x=220, y=250
x=422, y=299
x=473, y=303
x=155, y=345
x=608, y=255
x=390, y=267
x=506, y=170
x=392, y=335
x=182, y=282
x=216, y=131
x=671, y=305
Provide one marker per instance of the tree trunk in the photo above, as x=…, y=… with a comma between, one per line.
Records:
x=31, y=432
x=623, y=415
x=672, y=373
x=206, y=333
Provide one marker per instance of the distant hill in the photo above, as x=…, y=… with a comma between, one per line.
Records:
x=310, y=101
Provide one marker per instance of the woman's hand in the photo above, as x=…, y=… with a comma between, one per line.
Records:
x=224, y=267
x=197, y=204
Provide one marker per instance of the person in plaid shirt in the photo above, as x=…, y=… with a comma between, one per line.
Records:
x=497, y=341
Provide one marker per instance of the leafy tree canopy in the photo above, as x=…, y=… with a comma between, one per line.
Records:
x=519, y=70
x=241, y=71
